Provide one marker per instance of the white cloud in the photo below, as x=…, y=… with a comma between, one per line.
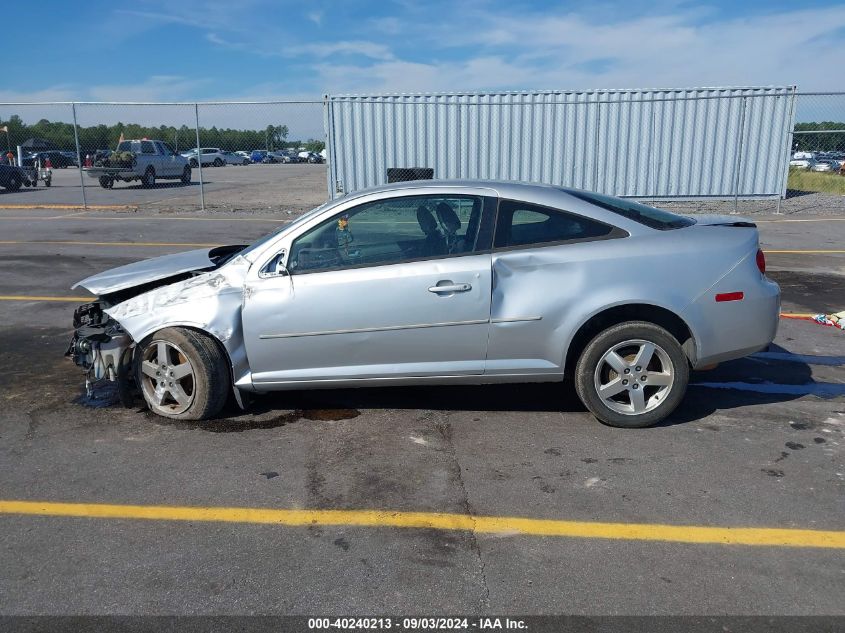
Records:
x=316, y=17
x=570, y=51
x=156, y=88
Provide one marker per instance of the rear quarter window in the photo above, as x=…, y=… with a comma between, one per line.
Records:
x=523, y=224
x=649, y=216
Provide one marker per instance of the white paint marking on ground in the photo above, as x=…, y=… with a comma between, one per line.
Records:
x=418, y=440
x=592, y=481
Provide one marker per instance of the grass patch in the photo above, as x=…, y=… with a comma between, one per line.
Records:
x=824, y=182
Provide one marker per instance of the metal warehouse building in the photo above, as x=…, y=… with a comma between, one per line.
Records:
x=690, y=143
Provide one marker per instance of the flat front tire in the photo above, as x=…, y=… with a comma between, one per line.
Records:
x=632, y=375
x=183, y=374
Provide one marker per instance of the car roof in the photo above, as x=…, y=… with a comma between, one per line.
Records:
x=504, y=188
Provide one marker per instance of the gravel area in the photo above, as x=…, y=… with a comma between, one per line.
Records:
x=796, y=203
x=294, y=189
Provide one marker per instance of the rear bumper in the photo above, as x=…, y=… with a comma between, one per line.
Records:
x=734, y=329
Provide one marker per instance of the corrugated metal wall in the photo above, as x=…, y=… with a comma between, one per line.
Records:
x=716, y=142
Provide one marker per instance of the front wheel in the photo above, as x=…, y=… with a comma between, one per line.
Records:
x=217, y=162
x=632, y=375
x=149, y=178
x=186, y=175
x=183, y=375
x=105, y=182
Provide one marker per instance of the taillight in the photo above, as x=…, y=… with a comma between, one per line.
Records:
x=761, y=261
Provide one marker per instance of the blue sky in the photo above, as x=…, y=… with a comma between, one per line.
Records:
x=268, y=49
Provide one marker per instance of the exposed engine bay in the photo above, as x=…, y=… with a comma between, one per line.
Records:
x=101, y=345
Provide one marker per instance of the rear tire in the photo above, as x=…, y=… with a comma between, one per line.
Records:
x=105, y=182
x=632, y=375
x=217, y=162
x=14, y=183
x=183, y=374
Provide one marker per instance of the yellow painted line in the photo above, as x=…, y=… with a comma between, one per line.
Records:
x=90, y=207
x=797, y=315
x=49, y=242
x=805, y=252
x=772, y=537
x=152, y=218
x=44, y=298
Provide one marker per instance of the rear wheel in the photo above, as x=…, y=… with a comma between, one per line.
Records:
x=632, y=375
x=14, y=183
x=218, y=162
x=105, y=182
x=183, y=375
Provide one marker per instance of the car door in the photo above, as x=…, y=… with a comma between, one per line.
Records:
x=170, y=167
x=541, y=256
x=390, y=288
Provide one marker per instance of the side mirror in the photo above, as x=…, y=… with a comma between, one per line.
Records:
x=275, y=267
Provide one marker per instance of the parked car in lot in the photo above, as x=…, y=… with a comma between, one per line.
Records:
x=58, y=160
x=310, y=157
x=232, y=158
x=246, y=155
x=145, y=160
x=802, y=163
x=449, y=282
x=274, y=157
x=825, y=165
x=210, y=156
x=257, y=155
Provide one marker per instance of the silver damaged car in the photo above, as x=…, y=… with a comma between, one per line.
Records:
x=452, y=282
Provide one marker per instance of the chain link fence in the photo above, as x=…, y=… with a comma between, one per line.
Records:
x=244, y=157
x=271, y=156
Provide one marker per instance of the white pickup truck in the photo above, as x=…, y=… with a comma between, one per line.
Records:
x=149, y=161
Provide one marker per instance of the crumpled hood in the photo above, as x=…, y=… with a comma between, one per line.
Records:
x=146, y=271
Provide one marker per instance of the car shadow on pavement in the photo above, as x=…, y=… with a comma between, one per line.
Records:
x=771, y=377
x=176, y=184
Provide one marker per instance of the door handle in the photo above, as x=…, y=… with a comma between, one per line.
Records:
x=450, y=288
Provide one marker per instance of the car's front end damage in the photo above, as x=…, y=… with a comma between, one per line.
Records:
x=101, y=347
x=200, y=289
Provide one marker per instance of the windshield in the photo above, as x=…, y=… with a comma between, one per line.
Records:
x=259, y=244
x=650, y=216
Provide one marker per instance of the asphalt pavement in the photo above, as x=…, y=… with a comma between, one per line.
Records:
x=757, y=443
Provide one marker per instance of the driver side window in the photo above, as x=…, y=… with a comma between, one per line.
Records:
x=389, y=232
